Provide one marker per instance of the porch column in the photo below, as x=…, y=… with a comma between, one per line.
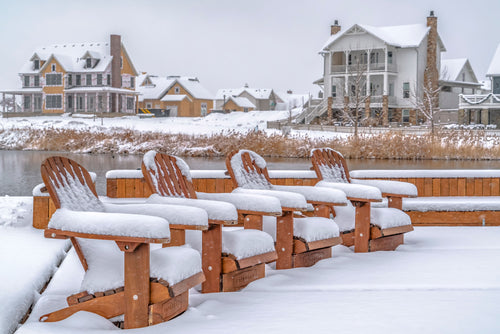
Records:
x=346, y=83
x=107, y=102
x=368, y=84
x=85, y=103
x=485, y=113
x=117, y=106
x=385, y=96
x=461, y=116
x=33, y=103
x=4, y=102
x=74, y=103
x=96, y=102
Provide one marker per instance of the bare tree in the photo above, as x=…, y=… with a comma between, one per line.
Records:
x=427, y=102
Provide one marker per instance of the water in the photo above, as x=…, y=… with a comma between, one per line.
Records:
x=20, y=170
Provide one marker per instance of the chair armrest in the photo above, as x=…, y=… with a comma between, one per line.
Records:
x=217, y=211
x=187, y=217
x=247, y=203
x=107, y=225
x=354, y=191
x=289, y=201
x=390, y=188
x=317, y=195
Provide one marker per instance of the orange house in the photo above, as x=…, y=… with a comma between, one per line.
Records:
x=173, y=96
x=78, y=77
x=238, y=104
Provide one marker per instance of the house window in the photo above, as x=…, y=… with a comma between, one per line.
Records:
x=78, y=80
x=130, y=103
x=121, y=62
x=90, y=102
x=36, y=64
x=406, y=90
x=406, y=115
x=54, y=79
x=203, y=109
x=26, y=81
x=27, y=102
x=53, y=101
x=334, y=91
x=149, y=105
x=89, y=63
x=79, y=102
x=108, y=80
x=88, y=80
x=99, y=79
x=53, y=67
x=463, y=77
x=132, y=82
x=70, y=80
x=389, y=57
x=70, y=102
x=349, y=59
x=37, y=81
x=446, y=89
x=391, y=89
x=177, y=90
x=38, y=102
x=100, y=103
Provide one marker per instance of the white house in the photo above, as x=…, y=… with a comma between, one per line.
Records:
x=393, y=63
x=483, y=108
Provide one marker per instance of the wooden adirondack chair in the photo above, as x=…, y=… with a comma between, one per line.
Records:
x=293, y=250
x=169, y=176
x=367, y=235
x=144, y=300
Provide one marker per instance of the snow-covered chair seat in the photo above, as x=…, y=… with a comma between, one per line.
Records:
x=231, y=260
x=370, y=229
x=300, y=241
x=121, y=276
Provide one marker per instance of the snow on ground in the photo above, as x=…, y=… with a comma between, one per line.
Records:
x=443, y=280
x=27, y=260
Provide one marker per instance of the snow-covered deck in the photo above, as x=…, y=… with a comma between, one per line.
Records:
x=442, y=280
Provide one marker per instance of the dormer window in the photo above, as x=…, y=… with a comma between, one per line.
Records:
x=89, y=63
x=36, y=64
x=177, y=90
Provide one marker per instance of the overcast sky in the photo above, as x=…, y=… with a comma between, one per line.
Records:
x=227, y=43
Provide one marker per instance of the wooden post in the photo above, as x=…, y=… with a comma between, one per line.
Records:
x=395, y=202
x=253, y=222
x=137, y=287
x=284, y=240
x=362, y=227
x=211, y=258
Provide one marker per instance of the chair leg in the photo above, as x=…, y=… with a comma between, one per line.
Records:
x=284, y=240
x=137, y=287
x=362, y=227
x=211, y=258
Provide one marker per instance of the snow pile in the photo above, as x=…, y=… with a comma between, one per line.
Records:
x=390, y=187
x=310, y=228
x=246, y=202
x=353, y=190
x=103, y=223
x=452, y=203
x=286, y=198
x=316, y=193
x=430, y=173
x=246, y=243
x=15, y=212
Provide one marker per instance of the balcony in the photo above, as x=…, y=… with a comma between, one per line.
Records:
x=479, y=101
x=363, y=68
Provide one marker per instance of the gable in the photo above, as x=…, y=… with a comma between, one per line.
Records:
x=47, y=66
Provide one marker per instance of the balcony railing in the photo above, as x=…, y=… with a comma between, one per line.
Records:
x=479, y=101
x=352, y=69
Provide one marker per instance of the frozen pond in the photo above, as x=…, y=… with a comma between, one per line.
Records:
x=20, y=170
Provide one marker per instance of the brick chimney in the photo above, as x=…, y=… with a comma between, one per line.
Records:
x=431, y=74
x=335, y=28
x=115, y=48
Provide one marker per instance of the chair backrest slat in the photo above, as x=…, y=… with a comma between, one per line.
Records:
x=330, y=165
x=165, y=175
x=248, y=170
x=70, y=185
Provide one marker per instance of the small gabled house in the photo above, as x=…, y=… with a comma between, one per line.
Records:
x=78, y=77
x=238, y=104
x=174, y=96
x=456, y=77
x=261, y=98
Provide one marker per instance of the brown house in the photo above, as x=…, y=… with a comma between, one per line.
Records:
x=174, y=96
x=238, y=104
x=78, y=77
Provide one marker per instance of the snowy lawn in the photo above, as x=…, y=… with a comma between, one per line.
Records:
x=443, y=280
x=27, y=260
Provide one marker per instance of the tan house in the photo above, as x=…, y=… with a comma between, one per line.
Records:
x=78, y=77
x=261, y=98
x=173, y=96
x=238, y=104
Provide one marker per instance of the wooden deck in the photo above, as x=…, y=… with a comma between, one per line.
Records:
x=131, y=184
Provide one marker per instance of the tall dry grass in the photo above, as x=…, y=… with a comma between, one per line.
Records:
x=390, y=145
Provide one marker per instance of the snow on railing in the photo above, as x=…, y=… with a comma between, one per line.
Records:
x=479, y=98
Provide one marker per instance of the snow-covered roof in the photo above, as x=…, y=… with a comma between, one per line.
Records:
x=494, y=68
x=451, y=68
x=241, y=102
x=173, y=98
x=71, y=56
x=257, y=93
x=293, y=100
x=161, y=85
x=404, y=36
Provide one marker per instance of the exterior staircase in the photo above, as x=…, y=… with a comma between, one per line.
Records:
x=314, y=108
